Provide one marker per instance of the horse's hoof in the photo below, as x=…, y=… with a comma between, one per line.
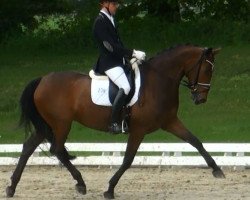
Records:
x=10, y=192
x=81, y=189
x=219, y=174
x=108, y=195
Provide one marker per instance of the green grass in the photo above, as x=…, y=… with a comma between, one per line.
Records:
x=224, y=118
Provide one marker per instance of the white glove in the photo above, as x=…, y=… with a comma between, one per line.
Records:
x=139, y=55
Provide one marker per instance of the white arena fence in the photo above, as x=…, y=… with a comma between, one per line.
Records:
x=149, y=154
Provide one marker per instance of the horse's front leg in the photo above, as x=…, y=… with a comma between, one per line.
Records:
x=178, y=129
x=133, y=144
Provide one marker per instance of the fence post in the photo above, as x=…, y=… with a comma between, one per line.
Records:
x=239, y=168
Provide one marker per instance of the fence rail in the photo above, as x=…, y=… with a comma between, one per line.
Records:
x=149, y=154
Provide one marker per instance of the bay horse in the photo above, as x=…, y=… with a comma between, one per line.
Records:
x=52, y=102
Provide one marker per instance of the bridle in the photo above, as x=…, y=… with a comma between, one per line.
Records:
x=193, y=85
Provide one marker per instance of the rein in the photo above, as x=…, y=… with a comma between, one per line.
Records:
x=193, y=85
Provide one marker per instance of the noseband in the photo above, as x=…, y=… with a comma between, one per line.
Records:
x=195, y=84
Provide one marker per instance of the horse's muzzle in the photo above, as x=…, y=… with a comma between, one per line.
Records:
x=199, y=101
x=199, y=98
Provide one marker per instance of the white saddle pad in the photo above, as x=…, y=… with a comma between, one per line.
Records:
x=100, y=88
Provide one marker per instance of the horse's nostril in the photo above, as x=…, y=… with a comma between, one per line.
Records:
x=199, y=101
x=203, y=100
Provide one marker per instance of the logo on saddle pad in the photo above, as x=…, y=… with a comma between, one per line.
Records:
x=103, y=90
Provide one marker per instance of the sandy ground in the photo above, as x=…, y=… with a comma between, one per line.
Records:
x=50, y=183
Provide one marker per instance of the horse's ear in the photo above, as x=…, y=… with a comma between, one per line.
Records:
x=216, y=51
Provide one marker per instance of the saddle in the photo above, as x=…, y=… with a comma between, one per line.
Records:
x=104, y=91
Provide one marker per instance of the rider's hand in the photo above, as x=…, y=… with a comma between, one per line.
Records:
x=139, y=55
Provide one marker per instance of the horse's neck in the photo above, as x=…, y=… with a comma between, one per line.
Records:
x=166, y=68
x=172, y=66
x=164, y=73
x=162, y=76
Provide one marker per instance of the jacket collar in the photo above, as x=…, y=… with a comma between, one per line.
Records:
x=111, y=19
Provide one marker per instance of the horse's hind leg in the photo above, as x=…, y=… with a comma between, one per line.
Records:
x=28, y=148
x=80, y=186
x=62, y=154
x=177, y=128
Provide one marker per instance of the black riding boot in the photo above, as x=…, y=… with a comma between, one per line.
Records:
x=119, y=101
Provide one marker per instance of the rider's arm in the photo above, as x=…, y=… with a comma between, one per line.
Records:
x=102, y=34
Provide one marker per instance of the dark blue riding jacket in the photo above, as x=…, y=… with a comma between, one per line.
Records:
x=111, y=49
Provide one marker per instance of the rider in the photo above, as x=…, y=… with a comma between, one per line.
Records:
x=111, y=61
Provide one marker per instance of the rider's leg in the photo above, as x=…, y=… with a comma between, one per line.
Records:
x=117, y=75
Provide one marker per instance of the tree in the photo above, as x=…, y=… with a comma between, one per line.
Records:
x=16, y=12
x=168, y=10
x=175, y=10
x=232, y=10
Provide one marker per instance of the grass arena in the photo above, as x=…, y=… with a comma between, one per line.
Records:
x=177, y=183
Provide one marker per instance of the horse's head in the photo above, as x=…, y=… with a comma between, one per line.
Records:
x=199, y=76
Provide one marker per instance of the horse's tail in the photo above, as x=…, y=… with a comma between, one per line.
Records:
x=29, y=113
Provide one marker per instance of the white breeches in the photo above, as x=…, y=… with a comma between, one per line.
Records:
x=117, y=75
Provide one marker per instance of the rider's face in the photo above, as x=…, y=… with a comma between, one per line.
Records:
x=113, y=6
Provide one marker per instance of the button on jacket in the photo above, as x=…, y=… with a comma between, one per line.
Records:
x=111, y=49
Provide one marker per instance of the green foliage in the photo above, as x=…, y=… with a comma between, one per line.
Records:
x=174, y=11
x=153, y=33
x=60, y=33
x=54, y=33
x=216, y=9
x=166, y=10
x=13, y=13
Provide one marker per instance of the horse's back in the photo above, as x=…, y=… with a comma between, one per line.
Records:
x=58, y=83
x=68, y=77
x=59, y=93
